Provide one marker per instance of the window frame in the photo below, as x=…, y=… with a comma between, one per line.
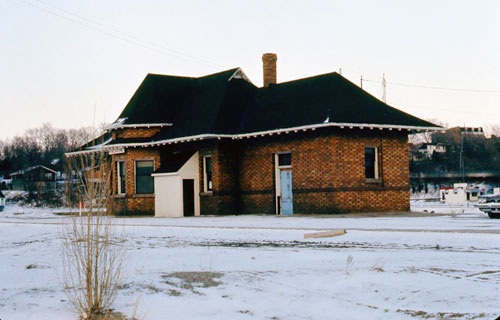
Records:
x=119, y=190
x=205, y=176
x=376, y=165
x=135, y=176
x=287, y=166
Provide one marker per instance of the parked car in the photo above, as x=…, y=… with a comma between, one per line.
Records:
x=490, y=204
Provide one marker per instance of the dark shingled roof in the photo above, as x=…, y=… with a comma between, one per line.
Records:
x=223, y=103
x=170, y=99
x=174, y=162
x=318, y=99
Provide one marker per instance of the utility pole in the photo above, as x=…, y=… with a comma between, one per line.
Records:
x=93, y=123
x=462, y=156
x=384, y=85
x=340, y=71
x=361, y=81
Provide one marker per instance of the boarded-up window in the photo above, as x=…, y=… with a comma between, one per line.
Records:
x=144, y=183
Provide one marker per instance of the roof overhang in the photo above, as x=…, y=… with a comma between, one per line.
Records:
x=115, y=126
x=312, y=127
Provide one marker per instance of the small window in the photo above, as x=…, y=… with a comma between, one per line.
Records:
x=371, y=163
x=121, y=176
x=285, y=159
x=144, y=183
x=207, y=173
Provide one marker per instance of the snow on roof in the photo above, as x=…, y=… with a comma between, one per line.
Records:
x=98, y=146
x=115, y=124
x=27, y=169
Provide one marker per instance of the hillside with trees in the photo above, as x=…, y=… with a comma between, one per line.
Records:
x=45, y=146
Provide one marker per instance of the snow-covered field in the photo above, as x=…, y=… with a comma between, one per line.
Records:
x=441, y=264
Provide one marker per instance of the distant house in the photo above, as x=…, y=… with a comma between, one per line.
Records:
x=456, y=134
x=218, y=144
x=427, y=150
x=35, y=178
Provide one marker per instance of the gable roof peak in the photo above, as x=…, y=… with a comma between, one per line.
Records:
x=239, y=74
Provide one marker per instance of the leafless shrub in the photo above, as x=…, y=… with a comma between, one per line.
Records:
x=93, y=252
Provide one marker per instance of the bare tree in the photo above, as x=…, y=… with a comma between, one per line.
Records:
x=426, y=137
x=493, y=130
x=93, y=252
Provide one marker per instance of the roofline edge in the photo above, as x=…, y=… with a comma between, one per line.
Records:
x=207, y=136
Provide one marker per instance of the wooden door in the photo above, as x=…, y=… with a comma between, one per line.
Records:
x=286, y=191
x=188, y=197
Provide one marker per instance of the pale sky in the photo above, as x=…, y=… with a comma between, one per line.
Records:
x=60, y=60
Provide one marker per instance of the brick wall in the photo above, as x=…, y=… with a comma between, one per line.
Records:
x=135, y=132
x=130, y=202
x=328, y=173
x=224, y=196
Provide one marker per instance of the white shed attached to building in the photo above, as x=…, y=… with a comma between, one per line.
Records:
x=177, y=185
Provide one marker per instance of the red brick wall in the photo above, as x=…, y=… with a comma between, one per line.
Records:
x=328, y=173
x=132, y=203
x=136, y=132
x=224, y=196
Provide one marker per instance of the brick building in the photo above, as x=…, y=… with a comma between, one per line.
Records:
x=220, y=145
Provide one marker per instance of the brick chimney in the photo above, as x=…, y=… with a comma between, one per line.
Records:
x=269, y=64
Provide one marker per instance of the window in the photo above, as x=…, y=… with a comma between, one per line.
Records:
x=120, y=165
x=144, y=183
x=207, y=173
x=285, y=159
x=371, y=163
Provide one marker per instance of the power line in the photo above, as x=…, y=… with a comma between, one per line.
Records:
x=432, y=87
x=115, y=33
x=130, y=35
x=446, y=110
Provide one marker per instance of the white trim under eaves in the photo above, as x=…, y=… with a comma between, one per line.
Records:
x=341, y=125
x=75, y=153
x=278, y=131
x=170, y=141
x=313, y=127
x=137, y=125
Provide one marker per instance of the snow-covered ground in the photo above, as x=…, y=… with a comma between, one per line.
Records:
x=440, y=263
